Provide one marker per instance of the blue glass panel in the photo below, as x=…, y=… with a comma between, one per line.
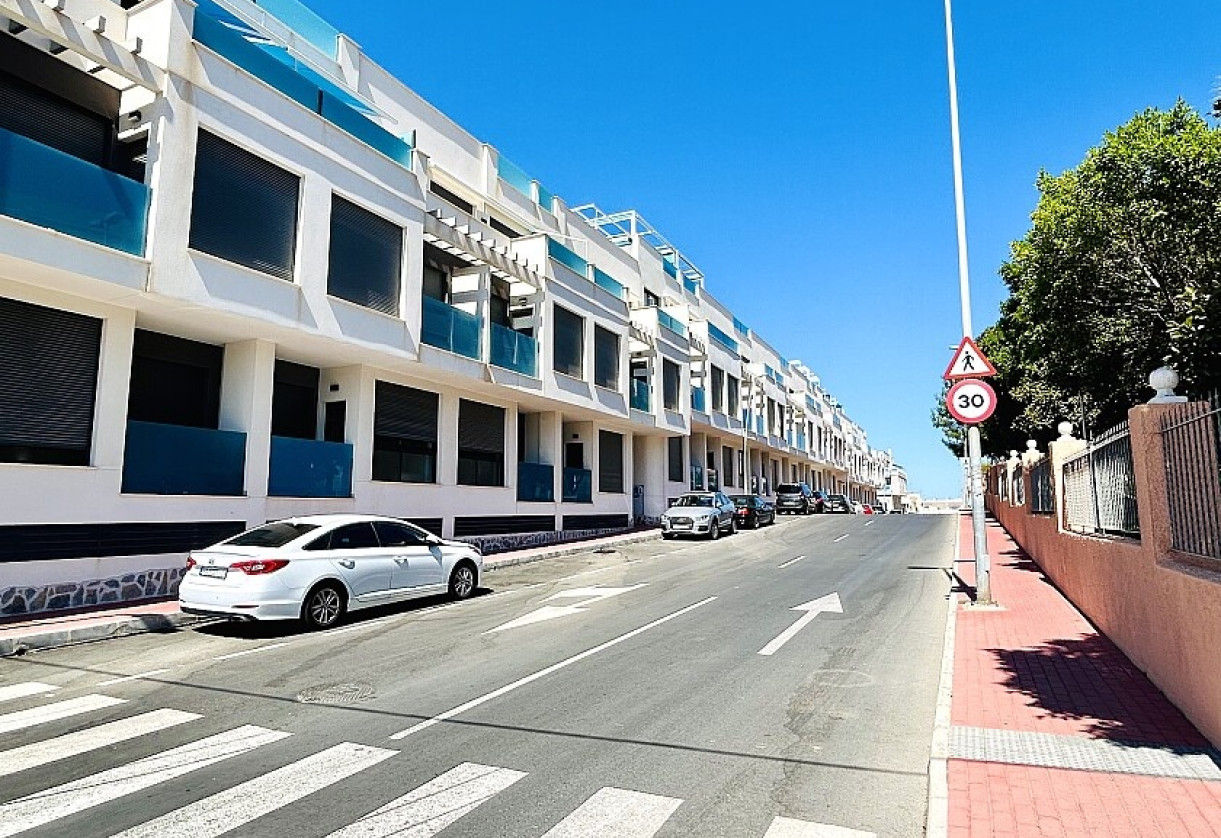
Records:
x=669, y=268
x=306, y=468
x=671, y=323
x=699, y=399
x=691, y=285
x=578, y=485
x=513, y=176
x=566, y=257
x=604, y=281
x=305, y=23
x=640, y=395
x=449, y=328
x=47, y=187
x=176, y=460
x=514, y=351
x=349, y=119
x=545, y=198
x=230, y=44
x=722, y=338
x=759, y=425
x=741, y=328
x=536, y=482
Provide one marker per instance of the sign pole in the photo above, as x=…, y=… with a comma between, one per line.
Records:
x=983, y=581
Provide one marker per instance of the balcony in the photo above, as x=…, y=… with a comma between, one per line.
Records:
x=613, y=287
x=670, y=322
x=449, y=328
x=536, y=482
x=699, y=399
x=178, y=460
x=578, y=485
x=719, y=337
x=567, y=258
x=306, y=468
x=514, y=350
x=640, y=395
x=46, y=187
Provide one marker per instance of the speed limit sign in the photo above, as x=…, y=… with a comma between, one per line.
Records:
x=971, y=401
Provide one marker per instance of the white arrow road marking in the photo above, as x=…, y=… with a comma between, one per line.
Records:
x=550, y=612
x=793, y=828
x=618, y=812
x=791, y=561
x=813, y=608
x=841, y=538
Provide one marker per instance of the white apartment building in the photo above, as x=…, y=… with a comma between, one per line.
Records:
x=245, y=273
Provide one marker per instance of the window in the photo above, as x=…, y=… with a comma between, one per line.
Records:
x=404, y=434
x=651, y=299
x=395, y=534
x=440, y=191
x=49, y=360
x=294, y=401
x=732, y=409
x=243, y=208
x=275, y=534
x=481, y=444
x=366, y=258
x=610, y=462
x=348, y=537
x=569, y=348
x=726, y=465
x=439, y=267
x=175, y=381
x=606, y=358
x=670, y=379
x=718, y=389
x=674, y=458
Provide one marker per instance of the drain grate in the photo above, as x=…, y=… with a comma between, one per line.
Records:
x=336, y=693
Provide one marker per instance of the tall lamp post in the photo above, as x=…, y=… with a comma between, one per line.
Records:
x=983, y=581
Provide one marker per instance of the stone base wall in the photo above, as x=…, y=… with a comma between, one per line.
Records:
x=490, y=544
x=64, y=596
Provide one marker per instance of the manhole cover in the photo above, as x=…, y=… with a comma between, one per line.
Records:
x=336, y=693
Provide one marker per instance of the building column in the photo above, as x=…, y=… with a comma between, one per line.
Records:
x=247, y=386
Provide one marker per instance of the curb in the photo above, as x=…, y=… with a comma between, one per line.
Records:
x=937, y=817
x=491, y=564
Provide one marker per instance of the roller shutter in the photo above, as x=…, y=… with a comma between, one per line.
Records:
x=405, y=412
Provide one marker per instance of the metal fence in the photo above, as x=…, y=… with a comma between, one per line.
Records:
x=1191, y=439
x=1019, y=485
x=1100, y=487
x=1042, y=498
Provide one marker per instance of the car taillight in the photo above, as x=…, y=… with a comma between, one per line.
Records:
x=743, y=511
x=190, y=562
x=255, y=567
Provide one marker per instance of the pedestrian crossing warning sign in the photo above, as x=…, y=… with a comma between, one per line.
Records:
x=969, y=362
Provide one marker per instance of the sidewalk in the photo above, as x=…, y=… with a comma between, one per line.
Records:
x=1053, y=731
x=61, y=630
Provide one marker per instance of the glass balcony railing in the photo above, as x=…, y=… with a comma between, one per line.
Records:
x=542, y=197
x=177, y=460
x=449, y=328
x=566, y=257
x=513, y=176
x=691, y=285
x=578, y=485
x=46, y=187
x=536, y=482
x=307, y=468
x=640, y=395
x=604, y=281
x=669, y=268
x=670, y=322
x=741, y=328
x=723, y=339
x=514, y=350
x=699, y=399
x=342, y=115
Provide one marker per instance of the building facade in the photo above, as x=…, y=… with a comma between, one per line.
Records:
x=246, y=274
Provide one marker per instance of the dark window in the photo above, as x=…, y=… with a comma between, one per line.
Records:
x=335, y=422
x=606, y=358
x=394, y=534
x=481, y=444
x=294, y=401
x=439, y=267
x=726, y=465
x=718, y=389
x=275, y=534
x=348, y=537
x=671, y=377
x=366, y=257
x=674, y=451
x=732, y=409
x=440, y=191
x=175, y=381
x=569, y=349
x=243, y=208
x=49, y=360
x=610, y=462
x=651, y=299
x=404, y=434
x=501, y=227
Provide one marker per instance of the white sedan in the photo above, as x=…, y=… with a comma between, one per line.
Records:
x=318, y=567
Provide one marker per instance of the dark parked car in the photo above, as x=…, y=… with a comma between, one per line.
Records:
x=798, y=498
x=753, y=511
x=839, y=503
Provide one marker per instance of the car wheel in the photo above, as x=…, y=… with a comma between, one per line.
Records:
x=714, y=529
x=324, y=606
x=733, y=526
x=462, y=581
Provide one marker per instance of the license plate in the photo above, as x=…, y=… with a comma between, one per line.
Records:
x=213, y=572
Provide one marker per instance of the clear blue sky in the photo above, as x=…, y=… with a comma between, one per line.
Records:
x=799, y=152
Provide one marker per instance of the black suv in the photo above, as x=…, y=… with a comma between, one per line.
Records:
x=797, y=498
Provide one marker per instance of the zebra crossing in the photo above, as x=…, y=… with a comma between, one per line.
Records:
x=425, y=811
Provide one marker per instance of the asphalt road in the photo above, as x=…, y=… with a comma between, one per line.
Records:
x=617, y=694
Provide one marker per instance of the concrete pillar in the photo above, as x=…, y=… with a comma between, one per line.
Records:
x=1062, y=449
x=113, y=387
x=551, y=448
x=447, y=439
x=247, y=384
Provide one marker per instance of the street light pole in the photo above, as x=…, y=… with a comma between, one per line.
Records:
x=983, y=581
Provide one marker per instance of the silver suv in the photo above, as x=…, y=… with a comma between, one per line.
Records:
x=699, y=513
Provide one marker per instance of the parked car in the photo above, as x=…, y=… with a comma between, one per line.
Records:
x=316, y=568
x=699, y=513
x=867, y=508
x=797, y=498
x=839, y=503
x=858, y=507
x=753, y=511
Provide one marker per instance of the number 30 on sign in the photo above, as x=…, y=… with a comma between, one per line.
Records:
x=971, y=401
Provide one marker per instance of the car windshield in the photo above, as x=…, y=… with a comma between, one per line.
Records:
x=740, y=500
x=788, y=489
x=275, y=534
x=694, y=500
x=837, y=497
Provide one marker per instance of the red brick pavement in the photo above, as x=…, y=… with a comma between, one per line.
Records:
x=1039, y=666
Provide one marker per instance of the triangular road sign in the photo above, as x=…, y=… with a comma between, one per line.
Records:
x=969, y=362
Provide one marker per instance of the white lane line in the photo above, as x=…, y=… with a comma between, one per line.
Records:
x=59, y=710
x=89, y=739
x=790, y=561
x=52, y=804
x=587, y=573
x=555, y=667
x=869, y=523
x=618, y=812
x=255, y=798
x=126, y=678
x=793, y=828
x=245, y=652
x=24, y=690
x=427, y=810
x=841, y=538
